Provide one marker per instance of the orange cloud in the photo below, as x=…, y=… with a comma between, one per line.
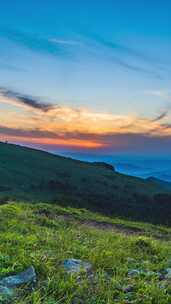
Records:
x=65, y=126
x=75, y=143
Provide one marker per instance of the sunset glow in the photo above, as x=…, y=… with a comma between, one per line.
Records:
x=70, y=86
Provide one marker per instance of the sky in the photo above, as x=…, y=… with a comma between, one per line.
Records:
x=86, y=75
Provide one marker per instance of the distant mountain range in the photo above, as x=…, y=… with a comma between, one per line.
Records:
x=140, y=166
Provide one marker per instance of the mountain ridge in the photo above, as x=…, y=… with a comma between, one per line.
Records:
x=33, y=175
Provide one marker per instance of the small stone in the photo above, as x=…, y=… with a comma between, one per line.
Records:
x=76, y=266
x=163, y=284
x=6, y=292
x=168, y=273
x=25, y=277
x=134, y=272
x=128, y=288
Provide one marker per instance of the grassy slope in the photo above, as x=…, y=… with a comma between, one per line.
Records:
x=21, y=166
x=30, y=175
x=35, y=235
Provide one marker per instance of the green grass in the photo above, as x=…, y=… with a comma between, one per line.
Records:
x=35, y=176
x=37, y=234
x=91, y=215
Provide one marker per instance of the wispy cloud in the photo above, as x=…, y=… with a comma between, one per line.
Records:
x=126, y=57
x=164, y=94
x=161, y=116
x=65, y=42
x=115, y=46
x=22, y=99
x=33, y=42
x=126, y=64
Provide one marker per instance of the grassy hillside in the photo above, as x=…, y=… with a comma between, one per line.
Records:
x=31, y=175
x=44, y=236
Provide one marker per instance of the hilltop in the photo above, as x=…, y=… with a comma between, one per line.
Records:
x=35, y=176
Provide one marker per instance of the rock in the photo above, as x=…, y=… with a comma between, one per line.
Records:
x=128, y=288
x=25, y=277
x=76, y=266
x=134, y=272
x=163, y=284
x=146, y=273
x=6, y=292
x=168, y=273
x=161, y=275
x=8, y=284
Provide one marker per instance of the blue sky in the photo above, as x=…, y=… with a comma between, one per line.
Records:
x=106, y=57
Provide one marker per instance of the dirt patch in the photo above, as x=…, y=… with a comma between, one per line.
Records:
x=115, y=227
x=102, y=225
